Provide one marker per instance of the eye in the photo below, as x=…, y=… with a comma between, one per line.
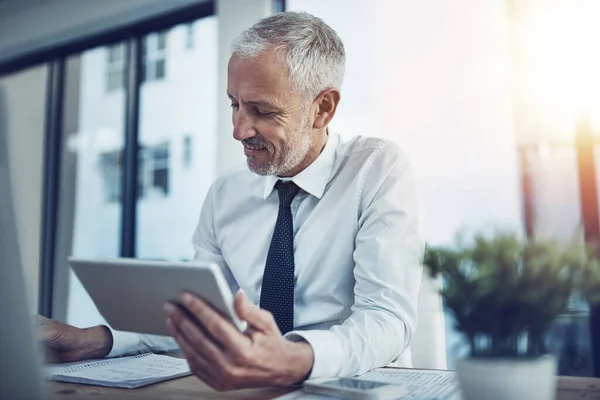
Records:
x=265, y=114
x=234, y=105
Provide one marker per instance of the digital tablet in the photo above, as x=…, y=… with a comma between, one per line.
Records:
x=130, y=293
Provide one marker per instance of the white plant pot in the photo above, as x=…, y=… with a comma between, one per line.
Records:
x=507, y=379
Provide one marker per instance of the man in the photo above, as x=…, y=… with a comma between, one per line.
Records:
x=321, y=233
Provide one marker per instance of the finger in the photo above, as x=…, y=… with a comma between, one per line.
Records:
x=196, y=337
x=219, y=328
x=257, y=318
x=198, y=364
x=192, y=354
x=211, y=372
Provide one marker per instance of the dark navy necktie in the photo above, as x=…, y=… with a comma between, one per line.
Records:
x=277, y=293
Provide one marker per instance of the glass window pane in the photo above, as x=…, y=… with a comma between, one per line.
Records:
x=556, y=214
x=91, y=173
x=177, y=119
x=160, y=69
x=22, y=117
x=190, y=32
x=161, y=40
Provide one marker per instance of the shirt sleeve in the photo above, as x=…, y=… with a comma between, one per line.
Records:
x=207, y=250
x=129, y=343
x=388, y=266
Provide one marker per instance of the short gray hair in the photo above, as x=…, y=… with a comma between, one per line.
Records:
x=312, y=50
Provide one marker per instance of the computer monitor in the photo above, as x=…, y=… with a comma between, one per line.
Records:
x=20, y=370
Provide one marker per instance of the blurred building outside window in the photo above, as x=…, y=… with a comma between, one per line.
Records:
x=177, y=139
x=187, y=151
x=189, y=36
x=115, y=67
x=154, y=171
x=110, y=169
x=154, y=56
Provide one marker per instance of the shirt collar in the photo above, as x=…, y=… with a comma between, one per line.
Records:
x=313, y=178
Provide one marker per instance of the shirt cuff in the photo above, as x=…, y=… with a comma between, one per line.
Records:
x=327, y=350
x=124, y=343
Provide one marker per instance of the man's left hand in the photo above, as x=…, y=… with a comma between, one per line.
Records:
x=225, y=358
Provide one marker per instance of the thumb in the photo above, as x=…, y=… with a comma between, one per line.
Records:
x=255, y=317
x=241, y=302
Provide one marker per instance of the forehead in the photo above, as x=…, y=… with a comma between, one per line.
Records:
x=265, y=75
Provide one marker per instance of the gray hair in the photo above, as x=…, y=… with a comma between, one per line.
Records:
x=312, y=50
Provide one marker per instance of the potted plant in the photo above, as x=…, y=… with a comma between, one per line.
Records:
x=505, y=294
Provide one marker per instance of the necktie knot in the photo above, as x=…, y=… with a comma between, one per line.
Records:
x=287, y=190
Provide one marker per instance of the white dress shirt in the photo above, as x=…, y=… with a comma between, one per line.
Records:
x=357, y=252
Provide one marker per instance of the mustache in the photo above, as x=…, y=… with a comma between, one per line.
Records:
x=255, y=141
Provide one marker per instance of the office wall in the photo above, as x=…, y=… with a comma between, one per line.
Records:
x=24, y=98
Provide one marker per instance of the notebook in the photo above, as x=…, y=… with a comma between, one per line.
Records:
x=124, y=372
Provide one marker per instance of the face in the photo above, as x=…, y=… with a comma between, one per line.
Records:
x=269, y=116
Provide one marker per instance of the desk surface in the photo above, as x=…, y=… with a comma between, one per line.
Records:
x=569, y=388
x=180, y=389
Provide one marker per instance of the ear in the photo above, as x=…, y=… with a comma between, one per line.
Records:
x=327, y=102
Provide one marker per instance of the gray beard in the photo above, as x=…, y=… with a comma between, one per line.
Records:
x=293, y=154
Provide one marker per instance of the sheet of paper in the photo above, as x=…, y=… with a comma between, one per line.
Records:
x=152, y=367
x=127, y=372
x=421, y=385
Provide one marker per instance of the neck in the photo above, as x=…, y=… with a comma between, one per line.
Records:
x=312, y=155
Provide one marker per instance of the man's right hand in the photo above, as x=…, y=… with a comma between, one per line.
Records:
x=66, y=343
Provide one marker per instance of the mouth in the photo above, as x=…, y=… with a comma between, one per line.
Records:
x=254, y=149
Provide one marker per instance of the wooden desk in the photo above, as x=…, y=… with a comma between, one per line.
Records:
x=188, y=388
x=179, y=389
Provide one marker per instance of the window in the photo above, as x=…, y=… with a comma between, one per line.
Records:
x=154, y=171
x=178, y=174
x=115, y=67
x=110, y=170
x=154, y=56
x=189, y=36
x=95, y=218
x=187, y=152
x=278, y=6
x=90, y=195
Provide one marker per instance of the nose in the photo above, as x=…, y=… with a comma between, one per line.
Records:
x=242, y=126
